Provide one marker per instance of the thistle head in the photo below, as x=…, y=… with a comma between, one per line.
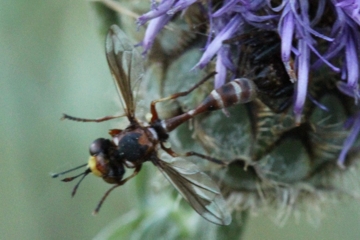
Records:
x=293, y=141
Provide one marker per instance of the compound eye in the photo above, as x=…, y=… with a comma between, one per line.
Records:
x=98, y=146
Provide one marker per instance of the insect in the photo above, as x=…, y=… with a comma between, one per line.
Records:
x=139, y=142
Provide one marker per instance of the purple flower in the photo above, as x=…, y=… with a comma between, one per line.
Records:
x=307, y=43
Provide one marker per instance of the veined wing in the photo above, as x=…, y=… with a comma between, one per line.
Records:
x=198, y=189
x=126, y=66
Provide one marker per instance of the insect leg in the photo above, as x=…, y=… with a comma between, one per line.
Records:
x=192, y=153
x=176, y=95
x=103, y=198
x=65, y=116
x=136, y=171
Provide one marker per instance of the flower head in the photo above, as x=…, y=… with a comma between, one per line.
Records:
x=310, y=42
x=299, y=54
x=300, y=57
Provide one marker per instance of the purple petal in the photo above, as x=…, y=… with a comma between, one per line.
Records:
x=304, y=20
x=161, y=9
x=317, y=103
x=180, y=5
x=287, y=32
x=349, y=90
x=349, y=141
x=352, y=63
x=223, y=63
x=345, y=89
x=319, y=12
x=220, y=68
x=303, y=77
x=351, y=8
x=154, y=27
x=323, y=59
x=340, y=31
x=304, y=31
x=250, y=17
x=216, y=44
x=225, y=8
x=278, y=8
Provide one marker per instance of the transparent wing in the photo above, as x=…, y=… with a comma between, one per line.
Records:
x=126, y=66
x=198, y=189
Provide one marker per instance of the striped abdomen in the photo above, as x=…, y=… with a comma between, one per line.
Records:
x=241, y=90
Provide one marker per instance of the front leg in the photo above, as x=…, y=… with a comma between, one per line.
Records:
x=122, y=182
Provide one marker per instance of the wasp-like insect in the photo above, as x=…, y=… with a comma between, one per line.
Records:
x=138, y=143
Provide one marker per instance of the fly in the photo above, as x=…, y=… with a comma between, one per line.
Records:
x=138, y=143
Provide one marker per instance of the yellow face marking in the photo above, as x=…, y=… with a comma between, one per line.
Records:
x=92, y=166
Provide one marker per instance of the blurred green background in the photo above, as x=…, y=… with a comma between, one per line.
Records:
x=53, y=62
